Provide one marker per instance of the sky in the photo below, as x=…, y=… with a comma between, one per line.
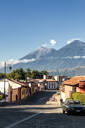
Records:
x=26, y=25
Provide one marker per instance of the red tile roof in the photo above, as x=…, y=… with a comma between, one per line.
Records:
x=74, y=80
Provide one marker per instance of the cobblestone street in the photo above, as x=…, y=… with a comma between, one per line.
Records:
x=42, y=112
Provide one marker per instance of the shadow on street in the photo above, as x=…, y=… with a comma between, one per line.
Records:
x=39, y=98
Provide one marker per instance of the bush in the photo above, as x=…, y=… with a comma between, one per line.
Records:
x=69, y=98
x=1, y=96
x=79, y=96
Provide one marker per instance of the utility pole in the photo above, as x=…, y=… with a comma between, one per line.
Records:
x=4, y=80
x=5, y=67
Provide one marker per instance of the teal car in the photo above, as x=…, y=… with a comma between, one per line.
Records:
x=73, y=106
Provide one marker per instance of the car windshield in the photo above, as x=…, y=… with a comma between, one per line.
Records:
x=74, y=102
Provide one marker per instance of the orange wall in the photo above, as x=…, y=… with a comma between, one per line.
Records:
x=68, y=90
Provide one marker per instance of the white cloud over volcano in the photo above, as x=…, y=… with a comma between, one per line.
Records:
x=52, y=42
x=70, y=41
x=12, y=62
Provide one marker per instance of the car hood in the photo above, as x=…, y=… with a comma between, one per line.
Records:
x=75, y=106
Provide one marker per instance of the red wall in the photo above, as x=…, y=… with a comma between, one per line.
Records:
x=68, y=90
x=80, y=90
x=82, y=84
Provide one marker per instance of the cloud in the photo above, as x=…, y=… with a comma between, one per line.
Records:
x=12, y=62
x=70, y=41
x=77, y=57
x=49, y=44
x=83, y=57
x=44, y=45
x=52, y=42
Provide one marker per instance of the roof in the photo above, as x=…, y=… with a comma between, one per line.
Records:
x=74, y=80
x=47, y=80
x=50, y=80
x=17, y=82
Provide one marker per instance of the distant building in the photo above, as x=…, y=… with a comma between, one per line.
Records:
x=47, y=77
x=60, y=79
x=49, y=84
x=33, y=84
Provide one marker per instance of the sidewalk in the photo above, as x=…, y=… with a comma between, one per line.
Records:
x=55, y=99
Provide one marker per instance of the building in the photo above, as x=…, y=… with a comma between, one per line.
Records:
x=47, y=77
x=25, y=90
x=33, y=84
x=75, y=84
x=16, y=91
x=49, y=84
x=41, y=84
x=60, y=79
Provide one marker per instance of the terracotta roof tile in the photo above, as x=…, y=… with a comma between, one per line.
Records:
x=74, y=80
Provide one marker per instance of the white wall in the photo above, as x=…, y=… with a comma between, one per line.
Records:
x=2, y=87
x=44, y=77
x=14, y=85
x=52, y=85
x=63, y=96
x=56, y=78
x=7, y=83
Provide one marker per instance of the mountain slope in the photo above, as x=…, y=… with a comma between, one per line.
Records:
x=42, y=52
x=75, y=48
x=70, y=56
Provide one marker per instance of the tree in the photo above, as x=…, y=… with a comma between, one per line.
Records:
x=18, y=74
x=22, y=74
x=35, y=74
x=11, y=75
x=28, y=73
x=44, y=72
x=2, y=75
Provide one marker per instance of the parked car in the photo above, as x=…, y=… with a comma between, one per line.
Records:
x=73, y=106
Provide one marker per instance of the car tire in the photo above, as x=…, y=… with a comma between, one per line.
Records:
x=68, y=113
x=63, y=111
